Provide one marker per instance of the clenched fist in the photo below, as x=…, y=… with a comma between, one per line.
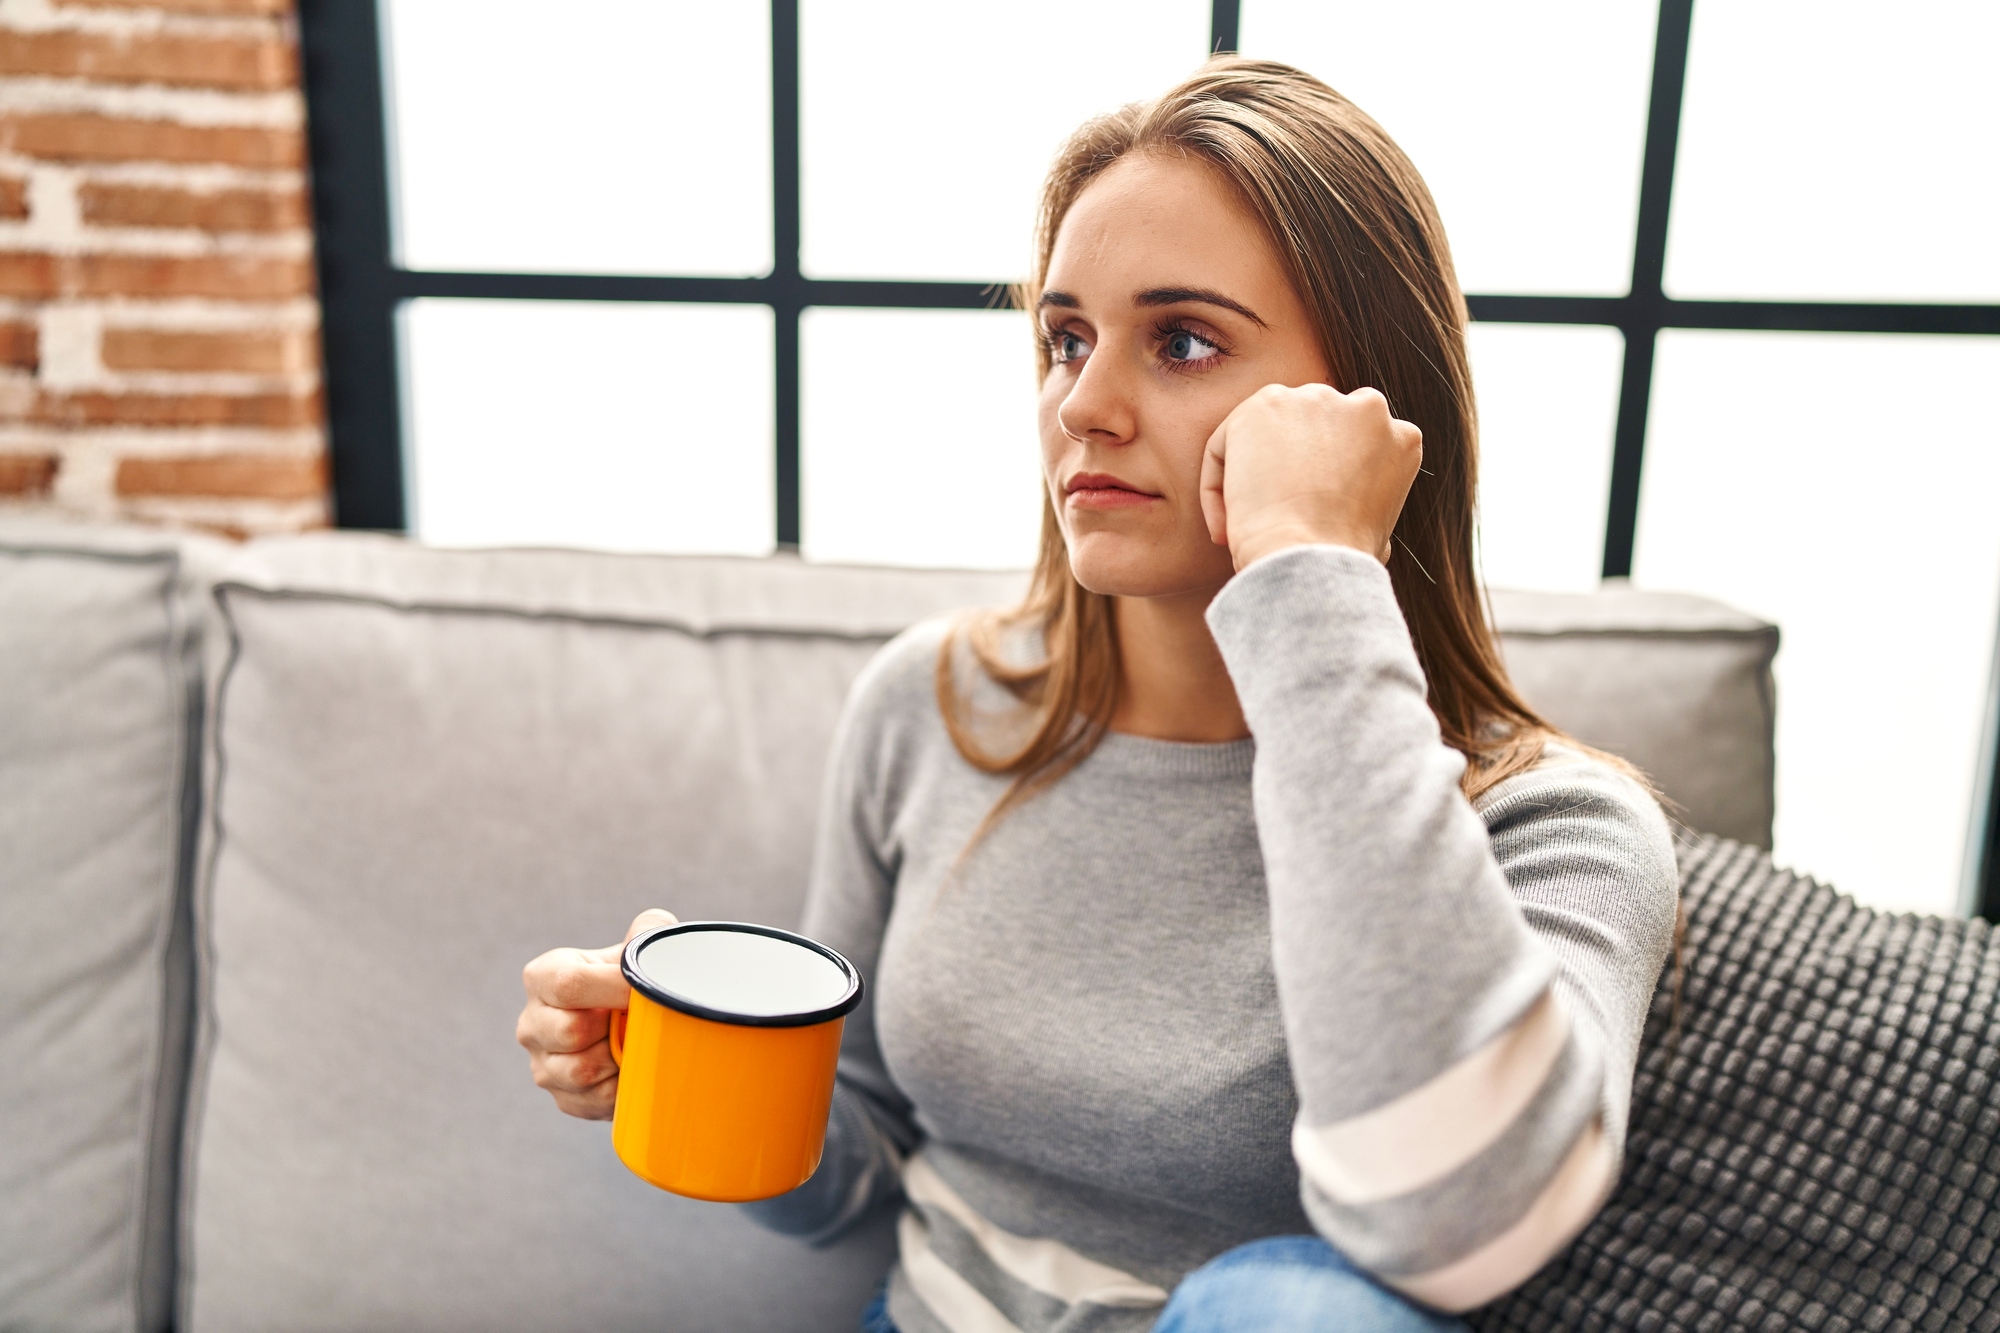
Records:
x=1308, y=466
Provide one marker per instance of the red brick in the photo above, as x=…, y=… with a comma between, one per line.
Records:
x=254, y=351
x=27, y=474
x=243, y=476
x=205, y=210
x=91, y=138
x=13, y=197
x=28, y=273
x=20, y=345
x=271, y=410
x=272, y=7
x=256, y=63
x=38, y=275
x=243, y=277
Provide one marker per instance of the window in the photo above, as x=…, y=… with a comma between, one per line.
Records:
x=620, y=277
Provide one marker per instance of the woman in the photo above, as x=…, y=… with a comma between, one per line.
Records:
x=1243, y=952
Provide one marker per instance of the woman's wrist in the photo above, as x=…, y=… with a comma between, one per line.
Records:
x=1248, y=548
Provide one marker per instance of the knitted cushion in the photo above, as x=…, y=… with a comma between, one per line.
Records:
x=1816, y=1150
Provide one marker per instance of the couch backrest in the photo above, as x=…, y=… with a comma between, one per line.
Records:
x=429, y=767
x=1680, y=685
x=98, y=705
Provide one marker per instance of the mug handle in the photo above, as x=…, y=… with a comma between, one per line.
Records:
x=617, y=1036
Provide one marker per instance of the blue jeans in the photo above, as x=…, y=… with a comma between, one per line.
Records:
x=1291, y=1284
x=1282, y=1284
x=875, y=1319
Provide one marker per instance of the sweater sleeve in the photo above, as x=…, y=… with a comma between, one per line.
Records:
x=1463, y=990
x=870, y=1130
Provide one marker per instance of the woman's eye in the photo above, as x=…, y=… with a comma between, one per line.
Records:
x=1184, y=346
x=1066, y=347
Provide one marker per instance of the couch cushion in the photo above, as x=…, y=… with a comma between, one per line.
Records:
x=98, y=697
x=1679, y=685
x=428, y=767
x=1815, y=1143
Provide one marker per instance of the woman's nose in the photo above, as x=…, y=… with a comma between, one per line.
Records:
x=1100, y=408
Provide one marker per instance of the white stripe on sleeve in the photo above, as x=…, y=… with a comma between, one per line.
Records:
x=1564, y=1206
x=1432, y=1130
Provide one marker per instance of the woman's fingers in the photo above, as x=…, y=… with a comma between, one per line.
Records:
x=545, y=1028
x=576, y=1073
x=576, y=979
x=597, y=1103
x=570, y=1057
x=1212, y=507
x=1408, y=436
x=1310, y=465
x=567, y=1021
x=585, y=1083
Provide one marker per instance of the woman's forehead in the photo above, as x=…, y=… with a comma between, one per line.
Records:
x=1153, y=221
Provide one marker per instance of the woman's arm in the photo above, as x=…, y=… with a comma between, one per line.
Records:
x=870, y=1130
x=1462, y=1003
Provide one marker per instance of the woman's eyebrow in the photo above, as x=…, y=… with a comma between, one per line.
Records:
x=1063, y=299
x=1176, y=295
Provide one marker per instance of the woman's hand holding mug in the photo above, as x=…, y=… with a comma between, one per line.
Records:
x=1308, y=466
x=566, y=1023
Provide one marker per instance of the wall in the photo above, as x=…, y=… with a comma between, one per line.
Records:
x=159, y=356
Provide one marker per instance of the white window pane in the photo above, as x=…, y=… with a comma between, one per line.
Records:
x=1843, y=487
x=589, y=423
x=1832, y=149
x=627, y=136
x=1527, y=119
x=918, y=438
x=926, y=128
x=1548, y=405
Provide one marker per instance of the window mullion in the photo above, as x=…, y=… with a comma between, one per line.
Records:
x=1645, y=304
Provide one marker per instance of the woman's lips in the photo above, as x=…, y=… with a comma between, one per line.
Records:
x=1096, y=490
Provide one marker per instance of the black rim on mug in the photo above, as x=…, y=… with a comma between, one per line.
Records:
x=652, y=990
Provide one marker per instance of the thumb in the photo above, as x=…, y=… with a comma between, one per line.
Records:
x=650, y=919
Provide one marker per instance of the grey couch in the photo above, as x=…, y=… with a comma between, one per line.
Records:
x=280, y=823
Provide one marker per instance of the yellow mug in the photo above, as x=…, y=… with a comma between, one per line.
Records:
x=726, y=1057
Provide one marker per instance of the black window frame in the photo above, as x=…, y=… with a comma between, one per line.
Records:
x=361, y=288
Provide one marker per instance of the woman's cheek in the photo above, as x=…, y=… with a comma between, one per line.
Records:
x=1054, y=443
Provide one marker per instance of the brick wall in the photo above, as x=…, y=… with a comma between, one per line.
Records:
x=159, y=355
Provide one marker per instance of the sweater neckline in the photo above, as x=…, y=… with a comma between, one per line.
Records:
x=1144, y=756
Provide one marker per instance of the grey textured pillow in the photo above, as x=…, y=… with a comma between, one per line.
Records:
x=99, y=691
x=1818, y=1145
x=429, y=767
x=1679, y=685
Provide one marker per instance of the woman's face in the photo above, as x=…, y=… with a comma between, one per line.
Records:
x=1164, y=307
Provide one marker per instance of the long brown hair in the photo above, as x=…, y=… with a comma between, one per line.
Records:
x=1366, y=252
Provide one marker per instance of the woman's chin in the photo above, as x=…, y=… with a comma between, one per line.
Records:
x=1115, y=566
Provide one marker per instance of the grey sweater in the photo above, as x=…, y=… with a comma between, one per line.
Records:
x=1192, y=995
